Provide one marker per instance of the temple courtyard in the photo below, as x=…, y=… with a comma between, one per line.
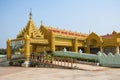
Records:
x=87, y=72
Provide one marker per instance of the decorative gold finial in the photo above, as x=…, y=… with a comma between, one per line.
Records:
x=30, y=13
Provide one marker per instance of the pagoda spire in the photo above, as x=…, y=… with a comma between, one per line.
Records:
x=41, y=22
x=30, y=29
x=30, y=14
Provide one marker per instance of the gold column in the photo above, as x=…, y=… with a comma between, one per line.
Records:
x=27, y=48
x=8, y=49
x=87, y=46
x=75, y=46
x=52, y=45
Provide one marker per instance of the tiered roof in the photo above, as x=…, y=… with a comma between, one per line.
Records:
x=31, y=30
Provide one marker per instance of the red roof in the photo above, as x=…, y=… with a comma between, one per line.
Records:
x=107, y=36
x=65, y=32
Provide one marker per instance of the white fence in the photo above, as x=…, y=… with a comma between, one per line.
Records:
x=109, y=60
x=103, y=59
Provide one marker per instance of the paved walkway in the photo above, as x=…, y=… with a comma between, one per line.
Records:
x=10, y=70
x=88, y=72
x=18, y=73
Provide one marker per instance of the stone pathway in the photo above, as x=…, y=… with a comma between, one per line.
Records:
x=10, y=70
x=87, y=72
x=18, y=73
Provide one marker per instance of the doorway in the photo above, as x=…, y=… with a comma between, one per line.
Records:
x=94, y=50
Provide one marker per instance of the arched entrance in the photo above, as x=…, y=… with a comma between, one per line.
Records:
x=94, y=43
x=93, y=46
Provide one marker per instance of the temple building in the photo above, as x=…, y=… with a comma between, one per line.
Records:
x=106, y=43
x=33, y=40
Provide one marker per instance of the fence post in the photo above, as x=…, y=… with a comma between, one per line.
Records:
x=64, y=61
x=61, y=61
x=71, y=63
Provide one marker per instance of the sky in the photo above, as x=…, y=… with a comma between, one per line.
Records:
x=99, y=16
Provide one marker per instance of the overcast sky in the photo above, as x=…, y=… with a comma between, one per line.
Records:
x=100, y=16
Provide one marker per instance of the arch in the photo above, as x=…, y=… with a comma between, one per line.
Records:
x=94, y=39
x=94, y=42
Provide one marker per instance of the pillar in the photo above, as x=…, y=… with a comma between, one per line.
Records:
x=8, y=49
x=52, y=44
x=52, y=41
x=75, y=45
x=27, y=47
x=87, y=46
x=117, y=49
x=27, y=51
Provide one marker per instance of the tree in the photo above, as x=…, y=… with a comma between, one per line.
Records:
x=2, y=51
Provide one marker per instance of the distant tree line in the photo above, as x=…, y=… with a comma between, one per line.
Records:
x=2, y=51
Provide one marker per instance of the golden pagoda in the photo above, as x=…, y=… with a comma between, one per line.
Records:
x=46, y=38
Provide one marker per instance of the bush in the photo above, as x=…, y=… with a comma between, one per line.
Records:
x=33, y=64
x=3, y=51
x=11, y=63
x=16, y=62
x=20, y=61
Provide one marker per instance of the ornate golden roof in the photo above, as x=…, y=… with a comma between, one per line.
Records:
x=30, y=30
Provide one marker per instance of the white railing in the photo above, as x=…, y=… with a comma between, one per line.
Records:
x=109, y=60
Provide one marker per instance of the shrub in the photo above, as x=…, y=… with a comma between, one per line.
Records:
x=20, y=62
x=11, y=63
x=33, y=64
